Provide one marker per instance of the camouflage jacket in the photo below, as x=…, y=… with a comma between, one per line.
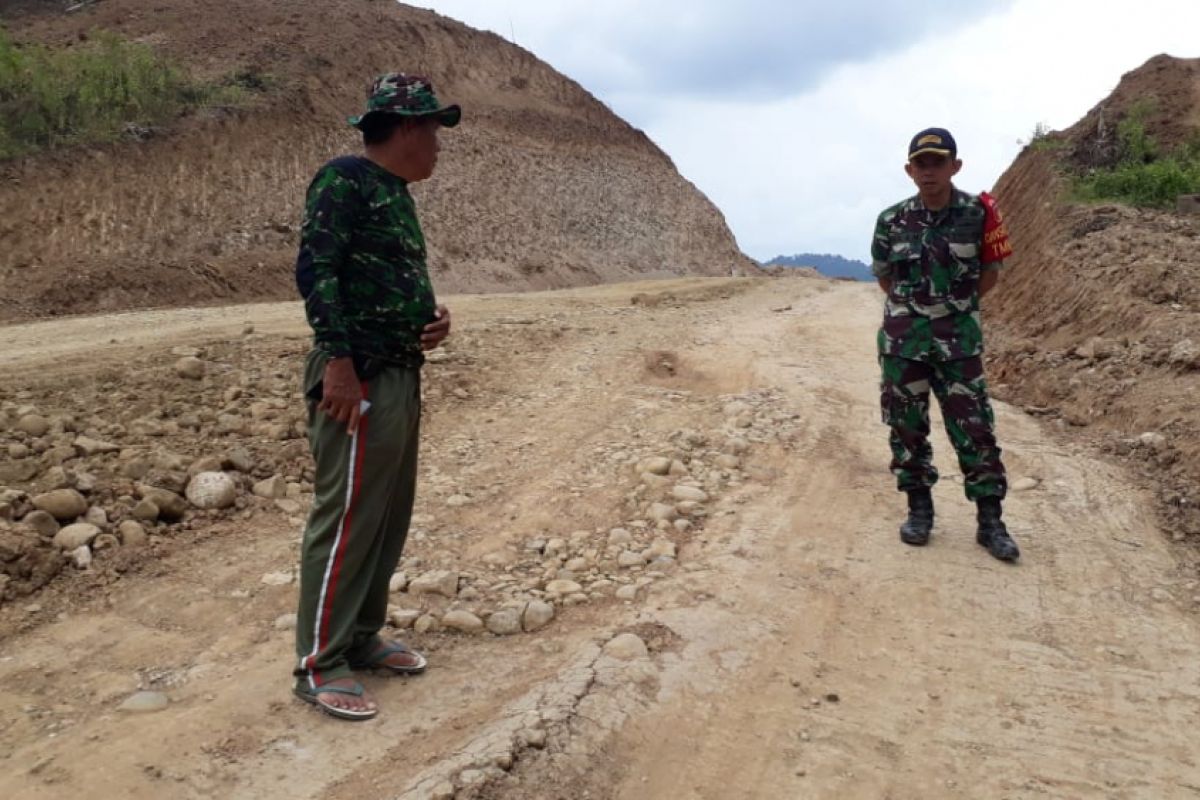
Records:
x=932, y=259
x=361, y=268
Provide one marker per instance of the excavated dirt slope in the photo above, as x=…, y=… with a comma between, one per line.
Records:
x=542, y=186
x=1097, y=319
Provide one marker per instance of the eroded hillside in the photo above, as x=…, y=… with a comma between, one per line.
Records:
x=542, y=186
x=1098, y=315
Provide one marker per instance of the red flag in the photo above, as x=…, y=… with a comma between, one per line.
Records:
x=996, y=246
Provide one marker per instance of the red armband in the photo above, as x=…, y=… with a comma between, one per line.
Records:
x=996, y=246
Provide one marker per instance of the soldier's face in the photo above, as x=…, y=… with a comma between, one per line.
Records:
x=932, y=173
x=419, y=145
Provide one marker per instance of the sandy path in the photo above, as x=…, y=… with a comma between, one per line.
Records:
x=1075, y=674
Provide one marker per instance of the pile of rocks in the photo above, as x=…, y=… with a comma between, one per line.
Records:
x=118, y=463
x=670, y=488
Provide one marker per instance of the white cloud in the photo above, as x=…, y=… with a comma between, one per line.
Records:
x=805, y=157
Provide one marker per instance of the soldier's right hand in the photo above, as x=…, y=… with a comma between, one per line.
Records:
x=342, y=394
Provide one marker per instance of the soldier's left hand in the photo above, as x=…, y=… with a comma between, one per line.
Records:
x=437, y=330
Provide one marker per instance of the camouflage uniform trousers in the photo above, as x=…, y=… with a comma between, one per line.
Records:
x=962, y=395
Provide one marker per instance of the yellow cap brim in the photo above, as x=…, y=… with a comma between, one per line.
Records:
x=941, y=151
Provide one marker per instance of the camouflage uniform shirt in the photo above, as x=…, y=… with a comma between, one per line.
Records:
x=932, y=259
x=361, y=268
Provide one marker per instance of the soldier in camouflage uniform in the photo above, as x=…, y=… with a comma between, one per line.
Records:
x=362, y=273
x=926, y=255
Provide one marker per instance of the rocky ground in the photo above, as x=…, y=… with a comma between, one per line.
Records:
x=653, y=556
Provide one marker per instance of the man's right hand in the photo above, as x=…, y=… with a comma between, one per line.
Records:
x=342, y=395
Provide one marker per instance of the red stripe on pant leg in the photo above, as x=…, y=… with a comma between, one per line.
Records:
x=347, y=520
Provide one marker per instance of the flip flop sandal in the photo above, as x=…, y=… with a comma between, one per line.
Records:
x=378, y=659
x=310, y=695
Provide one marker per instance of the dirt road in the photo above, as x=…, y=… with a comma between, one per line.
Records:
x=793, y=648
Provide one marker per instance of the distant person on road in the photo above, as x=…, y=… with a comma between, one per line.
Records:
x=935, y=255
x=367, y=294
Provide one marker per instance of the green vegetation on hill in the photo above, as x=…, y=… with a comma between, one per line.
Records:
x=92, y=92
x=1143, y=176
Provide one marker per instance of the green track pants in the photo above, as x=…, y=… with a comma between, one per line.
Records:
x=362, y=506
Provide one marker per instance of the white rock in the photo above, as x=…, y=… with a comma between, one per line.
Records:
x=1025, y=484
x=190, y=367
x=277, y=578
x=75, y=536
x=458, y=501
x=626, y=647
x=537, y=615
x=689, y=494
x=563, y=587
x=144, y=702
x=97, y=516
x=426, y=623
x=577, y=565
x=726, y=461
x=81, y=557
x=505, y=622
x=627, y=593
x=211, y=490
x=441, y=582
x=1153, y=440
x=463, y=621
x=285, y=622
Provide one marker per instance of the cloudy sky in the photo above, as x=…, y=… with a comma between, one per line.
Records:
x=794, y=116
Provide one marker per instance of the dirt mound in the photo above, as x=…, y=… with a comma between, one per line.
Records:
x=542, y=186
x=1097, y=317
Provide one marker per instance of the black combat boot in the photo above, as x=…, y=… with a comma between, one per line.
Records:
x=916, y=528
x=992, y=534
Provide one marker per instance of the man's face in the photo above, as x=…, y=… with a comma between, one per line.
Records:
x=932, y=173
x=419, y=144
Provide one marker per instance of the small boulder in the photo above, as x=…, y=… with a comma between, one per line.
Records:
x=190, y=367
x=210, y=490
x=132, y=533
x=74, y=536
x=62, y=504
x=170, y=505
x=537, y=615
x=462, y=621
x=505, y=622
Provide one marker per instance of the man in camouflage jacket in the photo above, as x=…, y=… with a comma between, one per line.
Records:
x=368, y=297
x=927, y=256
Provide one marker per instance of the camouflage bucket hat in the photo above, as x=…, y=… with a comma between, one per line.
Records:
x=407, y=95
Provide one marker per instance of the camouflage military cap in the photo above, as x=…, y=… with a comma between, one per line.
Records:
x=407, y=95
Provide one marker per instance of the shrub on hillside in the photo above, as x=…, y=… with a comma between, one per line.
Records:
x=94, y=91
x=1143, y=176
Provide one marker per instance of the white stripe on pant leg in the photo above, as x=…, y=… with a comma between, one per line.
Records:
x=332, y=557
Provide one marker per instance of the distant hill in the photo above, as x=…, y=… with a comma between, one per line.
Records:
x=827, y=264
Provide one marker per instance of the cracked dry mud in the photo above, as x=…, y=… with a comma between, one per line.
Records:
x=791, y=646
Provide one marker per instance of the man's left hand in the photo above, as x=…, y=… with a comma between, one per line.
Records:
x=437, y=330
